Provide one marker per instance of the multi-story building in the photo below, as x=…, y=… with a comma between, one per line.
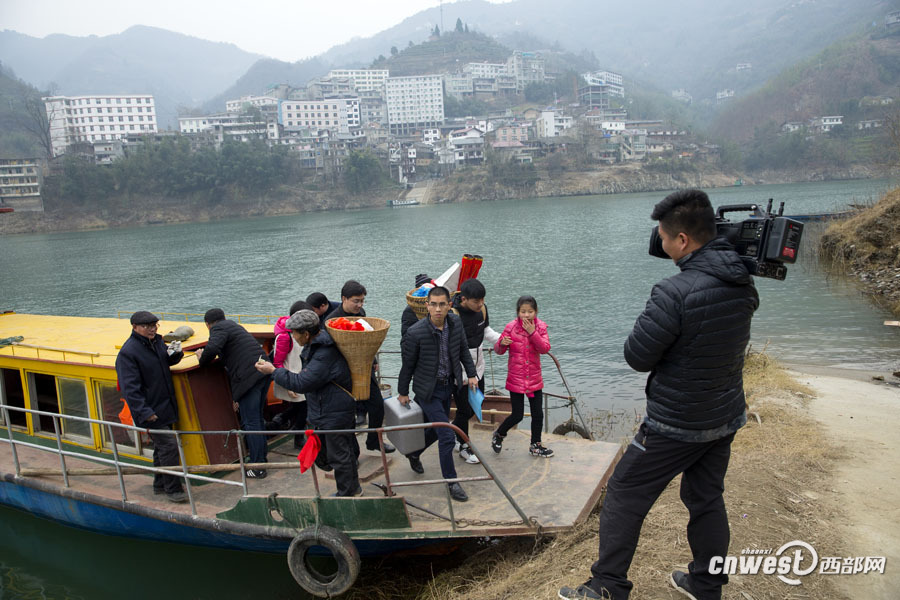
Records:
x=517, y=132
x=255, y=101
x=682, y=95
x=328, y=87
x=194, y=124
x=528, y=67
x=372, y=109
x=826, y=124
x=336, y=114
x=97, y=118
x=20, y=184
x=723, y=96
x=485, y=70
x=364, y=80
x=552, y=123
x=459, y=85
x=414, y=103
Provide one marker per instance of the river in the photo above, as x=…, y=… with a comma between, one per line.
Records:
x=583, y=258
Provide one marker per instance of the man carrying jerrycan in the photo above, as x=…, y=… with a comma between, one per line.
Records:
x=434, y=353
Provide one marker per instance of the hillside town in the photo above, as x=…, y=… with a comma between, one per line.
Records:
x=401, y=120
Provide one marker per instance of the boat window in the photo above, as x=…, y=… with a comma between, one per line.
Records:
x=12, y=394
x=60, y=395
x=113, y=408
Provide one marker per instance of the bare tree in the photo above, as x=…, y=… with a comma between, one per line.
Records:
x=36, y=122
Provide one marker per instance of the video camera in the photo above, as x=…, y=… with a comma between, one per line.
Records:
x=765, y=241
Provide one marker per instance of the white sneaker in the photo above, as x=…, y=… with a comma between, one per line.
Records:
x=467, y=455
x=456, y=446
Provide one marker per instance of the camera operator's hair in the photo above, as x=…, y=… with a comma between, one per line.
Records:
x=687, y=211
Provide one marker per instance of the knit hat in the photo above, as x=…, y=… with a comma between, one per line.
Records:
x=422, y=279
x=143, y=317
x=302, y=320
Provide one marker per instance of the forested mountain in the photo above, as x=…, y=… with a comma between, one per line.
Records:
x=179, y=70
x=17, y=126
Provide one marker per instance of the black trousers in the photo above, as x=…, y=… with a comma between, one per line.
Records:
x=650, y=462
x=339, y=452
x=464, y=412
x=375, y=407
x=165, y=454
x=535, y=404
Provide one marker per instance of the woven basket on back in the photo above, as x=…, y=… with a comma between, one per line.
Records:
x=417, y=303
x=359, y=348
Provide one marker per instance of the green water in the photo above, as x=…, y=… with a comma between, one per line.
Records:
x=584, y=259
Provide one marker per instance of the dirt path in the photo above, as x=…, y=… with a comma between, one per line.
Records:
x=863, y=417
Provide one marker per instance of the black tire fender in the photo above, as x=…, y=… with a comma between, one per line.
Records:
x=569, y=427
x=343, y=549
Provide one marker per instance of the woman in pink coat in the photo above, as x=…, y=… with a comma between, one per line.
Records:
x=526, y=339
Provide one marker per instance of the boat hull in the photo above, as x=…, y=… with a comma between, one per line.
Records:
x=127, y=519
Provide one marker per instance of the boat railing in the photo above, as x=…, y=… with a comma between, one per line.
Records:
x=67, y=354
x=198, y=473
x=187, y=316
x=570, y=401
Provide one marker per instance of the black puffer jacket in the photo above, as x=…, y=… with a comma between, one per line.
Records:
x=323, y=365
x=692, y=336
x=239, y=350
x=142, y=368
x=407, y=320
x=420, y=357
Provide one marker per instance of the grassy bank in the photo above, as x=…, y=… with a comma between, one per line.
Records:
x=867, y=247
x=778, y=467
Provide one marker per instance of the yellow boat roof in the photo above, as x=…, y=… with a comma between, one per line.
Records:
x=91, y=340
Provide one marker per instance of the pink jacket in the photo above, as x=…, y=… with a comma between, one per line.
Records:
x=283, y=343
x=524, y=372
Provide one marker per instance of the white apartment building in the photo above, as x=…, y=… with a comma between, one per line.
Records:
x=459, y=86
x=552, y=123
x=337, y=114
x=682, y=95
x=363, y=79
x=257, y=101
x=527, y=67
x=485, y=70
x=415, y=102
x=20, y=184
x=724, y=96
x=194, y=124
x=97, y=118
x=612, y=82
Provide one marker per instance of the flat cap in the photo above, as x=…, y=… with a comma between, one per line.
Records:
x=143, y=317
x=302, y=320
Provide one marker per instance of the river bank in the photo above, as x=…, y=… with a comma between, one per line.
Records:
x=815, y=468
x=471, y=185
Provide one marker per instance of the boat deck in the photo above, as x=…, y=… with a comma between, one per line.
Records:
x=558, y=492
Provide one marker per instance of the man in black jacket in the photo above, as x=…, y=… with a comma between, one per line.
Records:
x=142, y=368
x=240, y=351
x=325, y=380
x=353, y=296
x=434, y=353
x=691, y=337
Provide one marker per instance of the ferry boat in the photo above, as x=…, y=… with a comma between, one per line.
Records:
x=408, y=202
x=70, y=454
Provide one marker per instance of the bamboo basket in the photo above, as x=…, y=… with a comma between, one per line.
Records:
x=359, y=348
x=417, y=303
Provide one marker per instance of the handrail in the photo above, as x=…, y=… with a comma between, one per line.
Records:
x=64, y=351
x=185, y=472
x=188, y=316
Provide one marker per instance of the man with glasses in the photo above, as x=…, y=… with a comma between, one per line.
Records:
x=353, y=296
x=142, y=368
x=434, y=353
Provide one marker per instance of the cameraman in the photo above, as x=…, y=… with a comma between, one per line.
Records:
x=691, y=337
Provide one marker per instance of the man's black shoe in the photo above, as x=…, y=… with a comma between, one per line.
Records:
x=415, y=464
x=177, y=497
x=257, y=473
x=679, y=581
x=457, y=493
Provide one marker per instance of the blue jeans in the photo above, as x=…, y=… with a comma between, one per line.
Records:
x=436, y=410
x=251, y=406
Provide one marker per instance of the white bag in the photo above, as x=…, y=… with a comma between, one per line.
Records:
x=293, y=364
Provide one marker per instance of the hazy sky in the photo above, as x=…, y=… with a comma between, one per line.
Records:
x=285, y=29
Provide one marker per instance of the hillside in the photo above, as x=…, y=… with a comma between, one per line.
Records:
x=16, y=140
x=179, y=70
x=830, y=83
x=447, y=52
x=264, y=73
